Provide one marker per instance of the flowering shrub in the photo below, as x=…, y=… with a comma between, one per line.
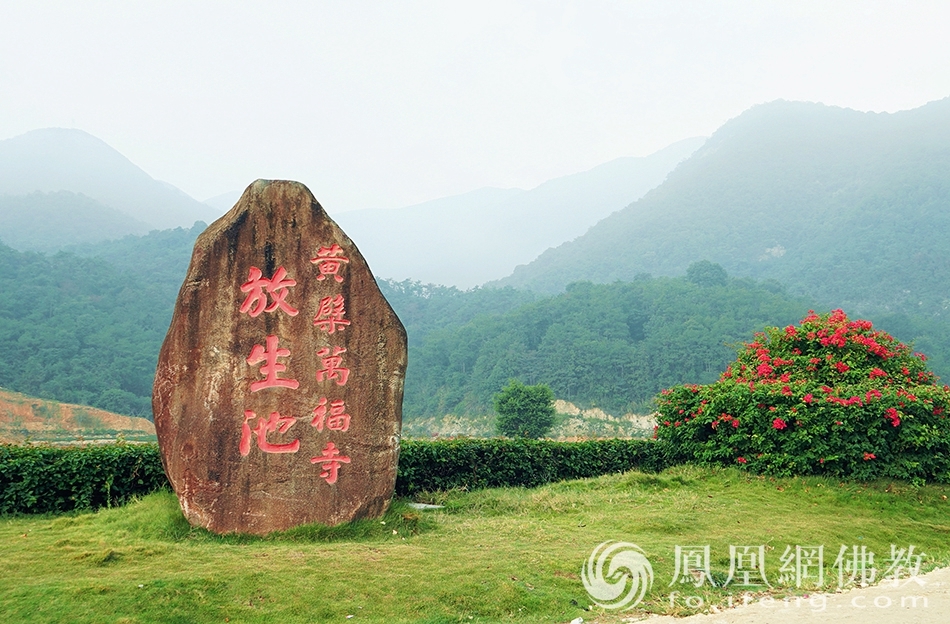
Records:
x=829, y=396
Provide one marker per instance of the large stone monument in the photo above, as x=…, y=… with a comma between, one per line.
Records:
x=278, y=394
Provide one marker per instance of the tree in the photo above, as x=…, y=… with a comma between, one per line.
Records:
x=524, y=411
x=706, y=273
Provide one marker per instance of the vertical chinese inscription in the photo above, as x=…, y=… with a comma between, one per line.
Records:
x=279, y=324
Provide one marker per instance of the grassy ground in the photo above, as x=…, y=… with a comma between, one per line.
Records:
x=493, y=555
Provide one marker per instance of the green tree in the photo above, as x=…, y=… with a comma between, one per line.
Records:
x=706, y=273
x=524, y=411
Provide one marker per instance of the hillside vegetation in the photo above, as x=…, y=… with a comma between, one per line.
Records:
x=849, y=208
x=86, y=330
x=612, y=346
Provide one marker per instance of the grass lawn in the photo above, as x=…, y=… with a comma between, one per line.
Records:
x=492, y=555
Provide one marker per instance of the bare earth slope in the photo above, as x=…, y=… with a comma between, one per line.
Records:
x=23, y=417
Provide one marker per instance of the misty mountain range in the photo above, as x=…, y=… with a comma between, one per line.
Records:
x=60, y=188
x=824, y=207
x=469, y=239
x=847, y=207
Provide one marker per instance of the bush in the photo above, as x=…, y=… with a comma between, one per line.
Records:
x=830, y=396
x=38, y=479
x=41, y=479
x=524, y=411
x=484, y=463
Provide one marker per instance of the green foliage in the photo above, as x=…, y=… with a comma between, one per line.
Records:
x=42, y=479
x=612, y=346
x=423, y=308
x=831, y=396
x=470, y=464
x=524, y=411
x=849, y=208
x=80, y=330
x=705, y=273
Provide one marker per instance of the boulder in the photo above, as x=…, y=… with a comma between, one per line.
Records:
x=278, y=393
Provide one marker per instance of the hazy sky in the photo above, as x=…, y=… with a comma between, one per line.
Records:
x=384, y=104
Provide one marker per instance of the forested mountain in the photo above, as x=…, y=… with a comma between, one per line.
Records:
x=79, y=331
x=60, y=159
x=850, y=208
x=482, y=235
x=612, y=346
x=48, y=222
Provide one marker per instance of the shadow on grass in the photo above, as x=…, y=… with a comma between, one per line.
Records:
x=157, y=516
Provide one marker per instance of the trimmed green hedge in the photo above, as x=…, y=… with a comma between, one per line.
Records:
x=42, y=479
x=473, y=463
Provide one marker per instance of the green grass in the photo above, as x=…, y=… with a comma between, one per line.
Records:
x=492, y=555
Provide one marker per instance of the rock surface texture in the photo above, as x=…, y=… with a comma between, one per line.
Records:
x=278, y=394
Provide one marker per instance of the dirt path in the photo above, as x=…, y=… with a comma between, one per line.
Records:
x=925, y=600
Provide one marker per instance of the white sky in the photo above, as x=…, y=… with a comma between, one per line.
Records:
x=384, y=104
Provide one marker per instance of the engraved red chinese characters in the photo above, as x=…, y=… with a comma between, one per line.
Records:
x=256, y=301
x=270, y=368
x=240, y=367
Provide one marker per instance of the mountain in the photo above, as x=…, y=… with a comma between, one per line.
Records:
x=223, y=202
x=471, y=238
x=48, y=222
x=59, y=159
x=849, y=208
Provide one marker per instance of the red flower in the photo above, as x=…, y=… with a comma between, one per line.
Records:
x=786, y=391
x=808, y=398
x=891, y=413
x=741, y=460
x=876, y=372
x=869, y=456
x=763, y=370
x=735, y=424
x=779, y=424
x=790, y=331
x=842, y=367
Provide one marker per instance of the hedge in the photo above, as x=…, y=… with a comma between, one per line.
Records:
x=43, y=479
x=472, y=463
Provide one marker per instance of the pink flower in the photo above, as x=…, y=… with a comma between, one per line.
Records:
x=741, y=460
x=779, y=424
